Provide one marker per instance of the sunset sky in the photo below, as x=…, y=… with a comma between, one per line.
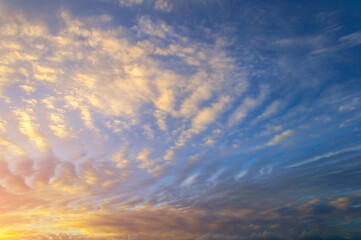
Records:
x=180, y=120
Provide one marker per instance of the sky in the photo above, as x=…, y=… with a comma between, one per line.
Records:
x=180, y=120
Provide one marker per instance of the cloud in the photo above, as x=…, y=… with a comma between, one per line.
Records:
x=2, y=126
x=191, y=164
x=159, y=170
x=56, y=118
x=161, y=119
x=189, y=180
x=146, y=26
x=351, y=39
x=148, y=131
x=163, y=5
x=267, y=236
x=190, y=106
x=347, y=41
x=341, y=203
x=208, y=115
x=169, y=155
x=112, y=131
x=354, y=103
x=28, y=89
x=247, y=105
x=270, y=110
x=130, y=3
x=323, y=156
x=278, y=138
x=213, y=236
x=29, y=128
x=203, y=118
x=91, y=78
x=144, y=158
x=113, y=93
x=10, y=148
x=240, y=175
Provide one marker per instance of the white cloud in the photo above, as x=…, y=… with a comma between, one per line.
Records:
x=94, y=77
x=148, y=131
x=327, y=155
x=190, y=105
x=98, y=89
x=278, y=138
x=247, y=105
x=120, y=157
x=3, y=126
x=28, y=89
x=214, y=236
x=349, y=106
x=240, y=175
x=270, y=110
x=346, y=41
x=163, y=5
x=209, y=114
x=189, y=180
x=159, y=170
x=144, y=158
x=205, y=117
x=30, y=128
x=266, y=170
x=130, y=3
x=161, y=119
x=169, y=155
x=352, y=39
x=161, y=30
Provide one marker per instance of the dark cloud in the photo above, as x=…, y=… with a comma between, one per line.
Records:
x=322, y=209
x=313, y=236
x=267, y=236
x=211, y=236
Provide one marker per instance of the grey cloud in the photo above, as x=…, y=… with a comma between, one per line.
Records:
x=212, y=236
x=267, y=236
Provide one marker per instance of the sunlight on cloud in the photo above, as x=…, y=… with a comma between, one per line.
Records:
x=30, y=129
x=147, y=129
x=86, y=75
x=276, y=139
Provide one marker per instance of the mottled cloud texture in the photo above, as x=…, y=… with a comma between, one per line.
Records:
x=126, y=121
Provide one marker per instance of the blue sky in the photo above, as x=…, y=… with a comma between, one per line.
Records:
x=164, y=119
